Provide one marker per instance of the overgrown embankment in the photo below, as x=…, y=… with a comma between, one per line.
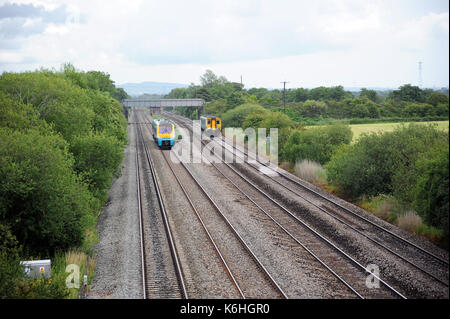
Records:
x=62, y=136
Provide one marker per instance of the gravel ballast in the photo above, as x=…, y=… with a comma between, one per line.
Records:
x=118, y=271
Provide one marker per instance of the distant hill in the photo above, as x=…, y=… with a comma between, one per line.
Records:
x=159, y=88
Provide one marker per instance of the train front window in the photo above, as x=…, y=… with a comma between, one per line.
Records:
x=165, y=128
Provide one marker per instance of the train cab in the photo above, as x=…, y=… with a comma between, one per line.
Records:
x=211, y=125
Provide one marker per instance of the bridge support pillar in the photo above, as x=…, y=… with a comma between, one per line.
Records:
x=200, y=111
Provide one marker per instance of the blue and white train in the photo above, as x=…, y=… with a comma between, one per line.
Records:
x=163, y=133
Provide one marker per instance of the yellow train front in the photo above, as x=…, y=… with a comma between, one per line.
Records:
x=163, y=133
x=211, y=125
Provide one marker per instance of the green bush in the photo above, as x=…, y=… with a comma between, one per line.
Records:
x=384, y=163
x=431, y=192
x=236, y=117
x=61, y=141
x=316, y=144
x=108, y=116
x=97, y=157
x=255, y=119
x=41, y=198
x=12, y=282
x=58, y=101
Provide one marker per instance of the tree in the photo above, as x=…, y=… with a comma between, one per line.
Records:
x=236, y=117
x=312, y=108
x=317, y=144
x=437, y=98
x=370, y=94
x=431, y=193
x=360, y=107
x=217, y=107
x=322, y=93
x=300, y=95
x=97, y=157
x=208, y=79
x=408, y=93
x=42, y=200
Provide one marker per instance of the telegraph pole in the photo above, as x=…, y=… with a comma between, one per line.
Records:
x=284, y=95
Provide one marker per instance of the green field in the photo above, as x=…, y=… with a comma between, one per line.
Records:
x=359, y=129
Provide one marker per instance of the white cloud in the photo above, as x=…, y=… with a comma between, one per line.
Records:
x=10, y=57
x=309, y=43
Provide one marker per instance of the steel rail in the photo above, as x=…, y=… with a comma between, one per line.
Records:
x=259, y=263
x=313, y=231
x=208, y=234
x=238, y=236
x=173, y=251
x=348, y=224
x=291, y=235
x=141, y=232
x=335, y=203
x=380, y=228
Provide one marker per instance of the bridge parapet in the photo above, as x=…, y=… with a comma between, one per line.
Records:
x=159, y=103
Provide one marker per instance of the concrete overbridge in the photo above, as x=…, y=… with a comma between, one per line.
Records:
x=158, y=105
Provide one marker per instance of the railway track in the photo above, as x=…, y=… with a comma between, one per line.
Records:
x=391, y=242
x=244, y=260
x=162, y=276
x=345, y=268
x=426, y=262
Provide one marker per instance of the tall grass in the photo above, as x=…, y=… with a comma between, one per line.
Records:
x=409, y=221
x=391, y=210
x=310, y=171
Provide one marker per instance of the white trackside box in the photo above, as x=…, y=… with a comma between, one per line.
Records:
x=37, y=268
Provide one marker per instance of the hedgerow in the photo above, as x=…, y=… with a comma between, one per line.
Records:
x=62, y=136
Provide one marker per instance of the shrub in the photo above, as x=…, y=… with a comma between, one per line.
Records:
x=12, y=282
x=235, y=117
x=383, y=163
x=317, y=144
x=57, y=100
x=431, y=193
x=41, y=198
x=97, y=157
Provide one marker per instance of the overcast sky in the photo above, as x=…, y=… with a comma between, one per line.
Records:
x=364, y=43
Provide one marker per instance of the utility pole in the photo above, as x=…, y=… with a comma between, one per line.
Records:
x=284, y=95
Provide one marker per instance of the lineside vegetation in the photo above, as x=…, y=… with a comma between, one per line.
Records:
x=401, y=175
x=62, y=135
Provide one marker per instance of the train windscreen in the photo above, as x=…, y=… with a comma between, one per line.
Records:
x=165, y=128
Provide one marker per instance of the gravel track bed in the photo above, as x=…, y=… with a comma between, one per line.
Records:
x=161, y=277
x=410, y=281
x=118, y=269
x=353, y=275
x=421, y=259
x=412, y=254
x=298, y=274
x=249, y=277
x=299, y=278
x=421, y=242
x=204, y=275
